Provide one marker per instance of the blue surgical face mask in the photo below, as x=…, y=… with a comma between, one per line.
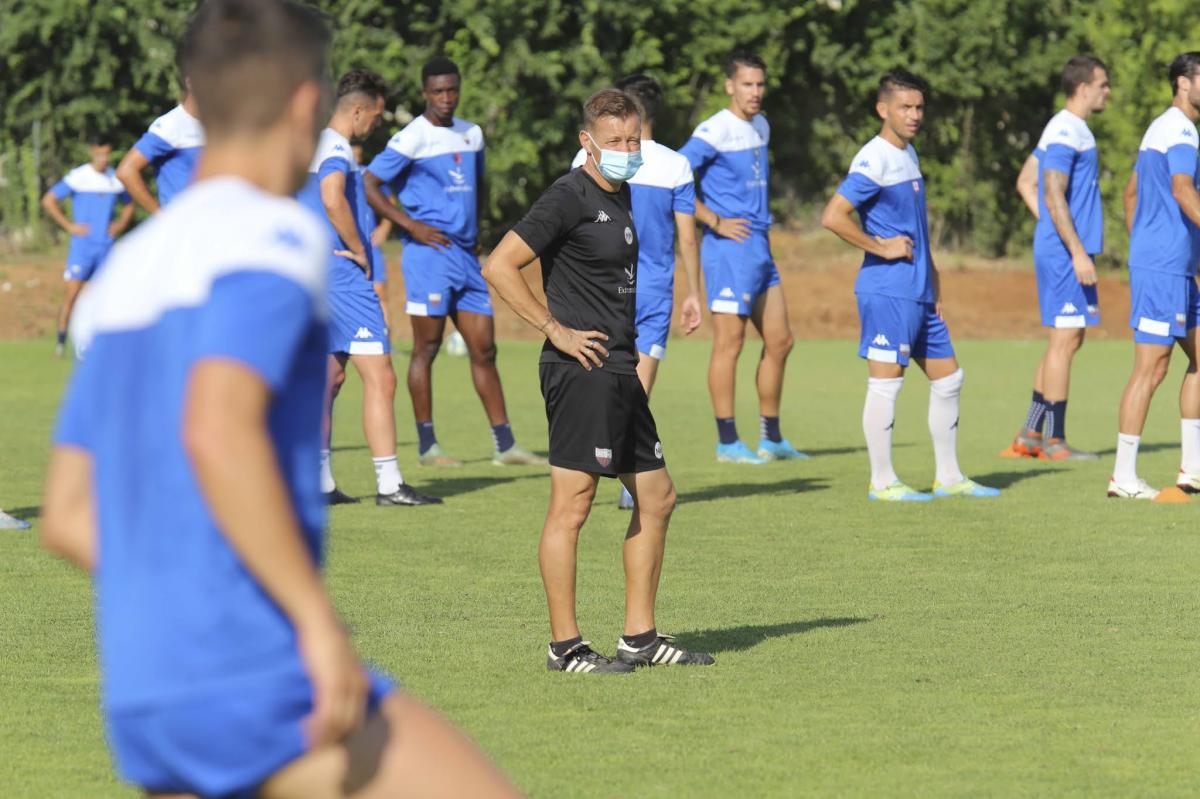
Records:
x=616, y=165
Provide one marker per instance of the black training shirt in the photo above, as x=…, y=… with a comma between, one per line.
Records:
x=589, y=250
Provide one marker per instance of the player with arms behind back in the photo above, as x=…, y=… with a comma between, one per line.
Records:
x=1162, y=212
x=1060, y=184
x=899, y=301
x=184, y=472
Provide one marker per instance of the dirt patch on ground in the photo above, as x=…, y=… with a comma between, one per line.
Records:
x=983, y=298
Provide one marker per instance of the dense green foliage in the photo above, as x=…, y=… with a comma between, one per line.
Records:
x=1040, y=644
x=79, y=65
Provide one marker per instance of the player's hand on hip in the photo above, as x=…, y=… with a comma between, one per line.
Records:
x=80, y=229
x=582, y=345
x=897, y=248
x=689, y=314
x=736, y=229
x=1085, y=269
x=360, y=258
x=339, y=684
x=428, y=235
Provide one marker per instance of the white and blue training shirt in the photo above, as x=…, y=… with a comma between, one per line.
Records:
x=1163, y=239
x=729, y=156
x=93, y=197
x=172, y=145
x=334, y=155
x=1068, y=146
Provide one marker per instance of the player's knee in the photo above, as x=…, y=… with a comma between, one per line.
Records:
x=779, y=345
x=485, y=355
x=950, y=385
x=425, y=351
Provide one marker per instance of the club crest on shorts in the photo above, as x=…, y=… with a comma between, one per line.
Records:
x=628, y=235
x=658, y=450
x=603, y=457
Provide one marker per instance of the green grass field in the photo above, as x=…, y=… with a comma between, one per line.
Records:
x=1042, y=644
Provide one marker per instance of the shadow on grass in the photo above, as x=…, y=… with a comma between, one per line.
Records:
x=817, y=452
x=1156, y=447
x=747, y=636
x=1006, y=479
x=455, y=486
x=796, y=485
x=27, y=514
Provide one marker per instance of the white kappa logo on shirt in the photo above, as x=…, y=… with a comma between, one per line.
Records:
x=601, y=217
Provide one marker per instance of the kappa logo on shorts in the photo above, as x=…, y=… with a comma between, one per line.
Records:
x=363, y=333
x=628, y=235
x=1069, y=308
x=880, y=340
x=603, y=456
x=658, y=450
x=601, y=217
x=727, y=293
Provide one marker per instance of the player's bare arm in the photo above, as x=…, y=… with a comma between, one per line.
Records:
x=333, y=197
x=1184, y=192
x=130, y=172
x=1027, y=185
x=69, y=509
x=1129, y=201
x=54, y=211
x=421, y=232
x=689, y=251
x=838, y=218
x=226, y=437
x=1060, y=213
x=121, y=223
x=736, y=229
x=503, y=273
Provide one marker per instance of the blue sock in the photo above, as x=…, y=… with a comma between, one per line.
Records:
x=502, y=437
x=1056, y=419
x=425, y=437
x=1037, y=413
x=62, y=337
x=726, y=431
x=769, y=426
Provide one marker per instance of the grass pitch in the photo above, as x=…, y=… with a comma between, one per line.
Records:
x=1041, y=644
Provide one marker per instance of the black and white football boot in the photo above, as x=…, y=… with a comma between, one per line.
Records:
x=337, y=497
x=582, y=659
x=661, y=652
x=406, y=495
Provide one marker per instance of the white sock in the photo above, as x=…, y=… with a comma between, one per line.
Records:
x=1190, y=438
x=327, y=482
x=387, y=475
x=1125, y=470
x=879, y=417
x=943, y=426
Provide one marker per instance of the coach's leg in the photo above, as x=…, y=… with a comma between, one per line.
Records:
x=654, y=501
x=1150, y=365
x=403, y=749
x=770, y=318
x=427, y=340
x=571, y=495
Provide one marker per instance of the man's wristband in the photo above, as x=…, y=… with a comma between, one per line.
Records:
x=542, y=327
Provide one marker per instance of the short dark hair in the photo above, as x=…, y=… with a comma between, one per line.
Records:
x=900, y=78
x=1183, y=66
x=1079, y=71
x=361, y=81
x=609, y=103
x=245, y=59
x=100, y=140
x=646, y=90
x=743, y=58
x=438, y=65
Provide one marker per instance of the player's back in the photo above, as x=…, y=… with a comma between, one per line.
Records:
x=1162, y=237
x=173, y=145
x=729, y=154
x=1068, y=146
x=226, y=272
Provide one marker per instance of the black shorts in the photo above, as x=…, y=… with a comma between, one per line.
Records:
x=600, y=421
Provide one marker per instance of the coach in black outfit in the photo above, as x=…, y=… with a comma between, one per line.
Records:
x=600, y=424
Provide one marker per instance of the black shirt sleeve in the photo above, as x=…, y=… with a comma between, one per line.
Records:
x=551, y=218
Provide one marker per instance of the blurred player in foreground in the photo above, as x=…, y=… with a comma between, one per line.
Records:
x=94, y=192
x=1162, y=212
x=899, y=298
x=1060, y=183
x=184, y=473
x=600, y=422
